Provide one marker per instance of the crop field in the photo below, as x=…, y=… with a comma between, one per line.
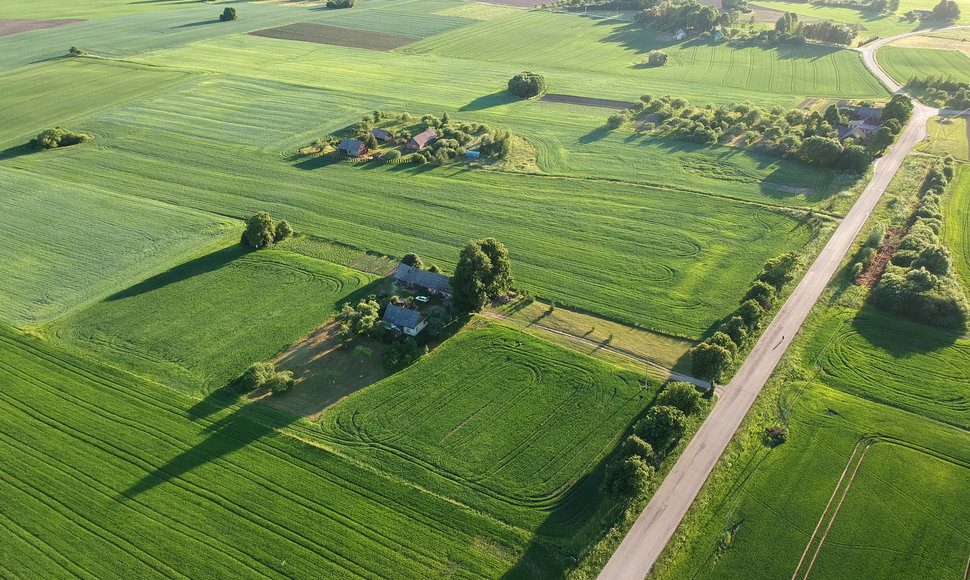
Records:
x=494, y=425
x=104, y=474
x=337, y=36
x=8, y=26
x=947, y=135
x=956, y=230
x=905, y=63
x=202, y=323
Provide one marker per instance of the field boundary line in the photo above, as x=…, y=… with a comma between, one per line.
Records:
x=825, y=511
x=836, y=513
x=966, y=571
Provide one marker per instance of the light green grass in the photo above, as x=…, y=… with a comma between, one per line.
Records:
x=956, y=227
x=200, y=324
x=947, y=135
x=68, y=243
x=84, y=9
x=903, y=64
x=106, y=475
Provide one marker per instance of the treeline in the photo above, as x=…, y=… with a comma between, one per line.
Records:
x=632, y=471
x=790, y=133
x=920, y=282
x=789, y=29
x=877, y=6
x=943, y=90
x=712, y=357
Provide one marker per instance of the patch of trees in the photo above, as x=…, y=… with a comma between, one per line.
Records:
x=670, y=15
x=57, y=137
x=264, y=374
x=228, y=14
x=75, y=51
x=262, y=231
x=657, y=58
x=712, y=357
x=341, y=3
x=482, y=274
x=943, y=91
x=789, y=29
x=919, y=282
x=362, y=318
x=527, y=84
x=402, y=353
x=631, y=472
x=946, y=11
x=788, y=133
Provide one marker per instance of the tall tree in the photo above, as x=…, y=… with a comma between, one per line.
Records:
x=483, y=272
x=260, y=230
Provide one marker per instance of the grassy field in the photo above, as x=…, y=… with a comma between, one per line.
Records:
x=947, y=135
x=511, y=430
x=107, y=475
x=904, y=63
x=956, y=228
x=202, y=323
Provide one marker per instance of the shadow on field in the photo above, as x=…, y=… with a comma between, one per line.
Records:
x=595, y=135
x=16, y=151
x=495, y=99
x=190, y=269
x=899, y=337
x=194, y=24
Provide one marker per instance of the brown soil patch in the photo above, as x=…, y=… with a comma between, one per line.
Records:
x=9, y=27
x=325, y=372
x=586, y=101
x=336, y=36
x=873, y=269
x=947, y=42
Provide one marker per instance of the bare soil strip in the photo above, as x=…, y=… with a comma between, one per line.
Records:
x=586, y=101
x=9, y=27
x=337, y=36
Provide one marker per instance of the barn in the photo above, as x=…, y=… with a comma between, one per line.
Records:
x=382, y=135
x=423, y=139
x=352, y=148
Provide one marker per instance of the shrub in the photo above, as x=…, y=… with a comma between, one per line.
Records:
x=527, y=84
x=282, y=381
x=282, y=232
x=362, y=351
x=392, y=155
x=683, y=396
x=57, y=137
x=657, y=58
x=341, y=3
x=75, y=51
x=228, y=14
x=616, y=120
x=412, y=259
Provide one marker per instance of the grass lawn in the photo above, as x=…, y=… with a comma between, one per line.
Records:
x=947, y=135
x=202, y=323
x=956, y=227
x=106, y=475
x=903, y=64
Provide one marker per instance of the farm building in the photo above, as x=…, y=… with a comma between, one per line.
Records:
x=680, y=34
x=423, y=139
x=864, y=113
x=352, y=148
x=472, y=154
x=382, y=135
x=718, y=35
x=850, y=132
x=410, y=322
x=422, y=280
x=866, y=127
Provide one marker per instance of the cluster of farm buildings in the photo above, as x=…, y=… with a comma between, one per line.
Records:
x=357, y=148
x=410, y=321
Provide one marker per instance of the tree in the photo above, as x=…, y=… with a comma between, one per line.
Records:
x=483, y=272
x=616, y=120
x=662, y=427
x=705, y=19
x=899, y=107
x=787, y=24
x=627, y=478
x=762, y=293
x=412, y=259
x=736, y=329
x=882, y=138
x=779, y=270
x=371, y=141
x=363, y=352
x=721, y=339
x=634, y=445
x=75, y=51
x=709, y=361
x=256, y=376
x=445, y=119
x=855, y=158
x=435, y=269
x=437, y=319
x=680, y=395
x=280, y=382
x=260, y=230
x=283, y=231
x=750, y=312
x=228, y=14
x=57, y=137
x=657, y=58
x=731, y=5
x=834, y=117
x=527, y=84
x=947, y=11
x=821, y=151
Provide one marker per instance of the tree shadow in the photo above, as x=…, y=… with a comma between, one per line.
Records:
x=190, y=269
x=15, y=151
x=194, y=24
x=884, y=331
x=495, y=99
x=596, y=134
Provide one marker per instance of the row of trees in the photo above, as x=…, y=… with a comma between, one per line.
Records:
x=261, y=231
x=665, y=423
x=943, y=91
x=670, y=15
x=920, y=282
x=713, y=356
x=822, y=30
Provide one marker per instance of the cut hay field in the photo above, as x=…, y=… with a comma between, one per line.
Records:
x=200, y=324
x=106, y=475
x=336, y=36
x=947, y=135
x=510, y=430
x=956, y=227
x=903, y=64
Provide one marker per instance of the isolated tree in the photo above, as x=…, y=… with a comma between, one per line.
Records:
x=662, y=427
x=680, y=395
x=228, y=14
x=282, y=231
x=709, y=361
x=657, y=58
x=627, y=478
x=260, y=230
x=483, y=273
x=412, y=259
x=527, y=85
x=75, y=51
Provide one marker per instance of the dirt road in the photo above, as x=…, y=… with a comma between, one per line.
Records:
x=648, y=536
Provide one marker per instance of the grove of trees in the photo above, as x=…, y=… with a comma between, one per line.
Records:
x=228, y=14
x=57, y=137
x=527, y=84
x=261, y=231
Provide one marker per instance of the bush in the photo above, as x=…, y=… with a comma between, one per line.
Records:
x=75, y=51
x=527, y=84
x=683, y=396
x=228, y=14
x=616, y=120
x=412, y=259
x=264, y=374
x=362, y=351
x=281, y=382
x=57, y=137
x=657, y=58
x=341, y=3
x=282, y=232
x=392, y=155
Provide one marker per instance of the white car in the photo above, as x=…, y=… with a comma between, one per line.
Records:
x=421, y=298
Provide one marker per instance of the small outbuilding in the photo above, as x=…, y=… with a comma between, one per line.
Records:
x=409, y=322
x=680, y=34
x=472, y=154
x=423, y=281
x=718, y=35
x=422, y=139
x=352, y=148
x=382, y=135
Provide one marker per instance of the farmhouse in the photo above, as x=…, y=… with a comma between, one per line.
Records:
x=423, y=139
x=864, y=113
x=382, y=135
x=422, y=280
x=850, y=132
x=865, y=126
x=410, y=322
x=352, y=148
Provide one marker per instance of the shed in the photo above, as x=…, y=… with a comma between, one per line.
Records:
x=352, y=148
x=422, y=280
x=410, y=322
x=423, y=139
x=382, y=135
x=472, y=154
x=718, y=35
x=680, y=34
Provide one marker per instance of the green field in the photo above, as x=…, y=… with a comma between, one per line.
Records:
x=107, y=475
x=510, y=430
x=903, y=64
x=956, y=228
x=202, y=323
x=947, y=135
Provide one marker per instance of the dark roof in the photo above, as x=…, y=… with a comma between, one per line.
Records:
x=401, y=317
x=382, y=134
x=863, y=112
x=350, y=145
x=425, y=137
x=423, y=278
